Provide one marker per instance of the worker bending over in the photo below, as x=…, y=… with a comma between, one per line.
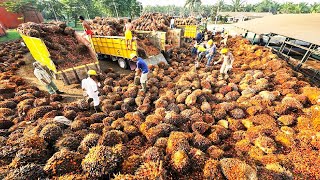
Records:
x=142, y=68
x=228, y=60
x=201, y=52
x=45, y=78
x=128, y=34
x=87, y=29
x=90, y=87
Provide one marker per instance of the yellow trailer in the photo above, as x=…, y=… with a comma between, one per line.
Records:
x=114, y=47
x=40, y=53
x=189, y=31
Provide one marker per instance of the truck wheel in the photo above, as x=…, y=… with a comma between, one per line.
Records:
x=122, y=63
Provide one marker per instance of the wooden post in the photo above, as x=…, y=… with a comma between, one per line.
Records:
x=65, y=78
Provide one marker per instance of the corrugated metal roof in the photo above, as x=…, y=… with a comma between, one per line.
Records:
x=303, y=27
x=244, y=14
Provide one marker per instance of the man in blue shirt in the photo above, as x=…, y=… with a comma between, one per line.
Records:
x=142, y=68
x=199, y=37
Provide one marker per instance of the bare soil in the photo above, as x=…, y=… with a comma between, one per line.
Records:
x=73, y=92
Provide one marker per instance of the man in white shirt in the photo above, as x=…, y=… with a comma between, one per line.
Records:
x=90, y=86
x=172, y=23
x=45, y=78
x=228, y=60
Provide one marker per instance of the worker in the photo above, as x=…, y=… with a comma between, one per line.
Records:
x=211, y=51
x=228, y=60
x=87, y=30
x=199, y=37
x=201, y=51
x=45, y=78
x=225, y=39
x=142, y=68
x=194, y=48
x=90, y=87
x=260, y=40
x=128, y=34
x=214, y=31
x=172, y=23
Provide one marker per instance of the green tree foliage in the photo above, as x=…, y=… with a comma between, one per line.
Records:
x=315, y=8
x=192, y=5
x=19, y=6
x=69, y=10
x=237, y=5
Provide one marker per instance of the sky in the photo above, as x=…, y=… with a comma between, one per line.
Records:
x=211, y=2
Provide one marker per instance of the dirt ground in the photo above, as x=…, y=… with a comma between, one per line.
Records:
x=72, y=92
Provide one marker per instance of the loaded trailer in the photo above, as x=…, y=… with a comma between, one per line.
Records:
x=114, y=47
x=73, y=75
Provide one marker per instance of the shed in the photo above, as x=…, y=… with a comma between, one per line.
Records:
x=300, y=34
x=242, y=16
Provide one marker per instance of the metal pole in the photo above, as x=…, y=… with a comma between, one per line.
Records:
x=283, y=45
x=254, y=38
x=270, y=36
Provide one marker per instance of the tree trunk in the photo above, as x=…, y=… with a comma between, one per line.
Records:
x=75, y=21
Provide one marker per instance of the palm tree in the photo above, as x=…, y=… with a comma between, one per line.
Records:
x=303, y=8
x=237, y=5
x=315, y=8
x=288, y=7
x=192, y=4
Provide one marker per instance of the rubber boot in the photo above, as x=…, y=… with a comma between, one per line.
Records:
x=137, y=80
x=144, y=87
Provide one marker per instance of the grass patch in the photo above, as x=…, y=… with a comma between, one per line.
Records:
x=78, y=28
x=10, y=36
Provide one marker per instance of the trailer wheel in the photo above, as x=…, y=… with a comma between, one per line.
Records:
x=122, y=63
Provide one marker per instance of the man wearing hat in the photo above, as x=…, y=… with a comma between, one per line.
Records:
x=211, y=51
x=142, y=67
x=45, y=78
x=90, y=86
x=228, y=60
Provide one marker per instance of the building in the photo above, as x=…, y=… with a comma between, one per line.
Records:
x=12, y=20
x=296, y=36
x=233, y=17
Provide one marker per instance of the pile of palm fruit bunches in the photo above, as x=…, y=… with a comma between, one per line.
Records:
x=262, y=122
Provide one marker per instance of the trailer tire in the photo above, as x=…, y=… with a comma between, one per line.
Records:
x=122, y=63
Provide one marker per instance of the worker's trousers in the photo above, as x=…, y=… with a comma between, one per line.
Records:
x=51, y=87
x=209, y=57
x=225, y=68
x=143, y=78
